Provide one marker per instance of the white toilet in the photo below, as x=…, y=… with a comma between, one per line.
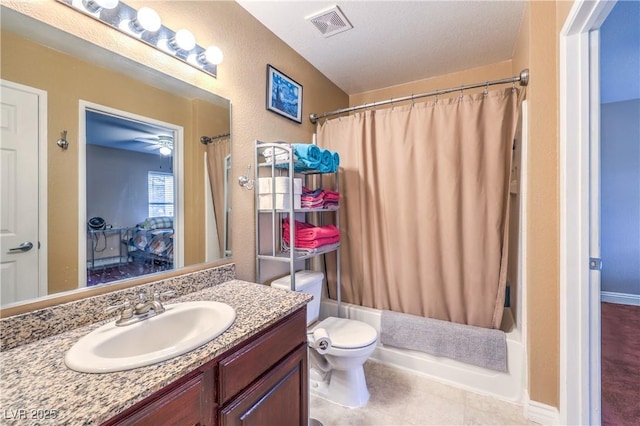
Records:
x=338, y=347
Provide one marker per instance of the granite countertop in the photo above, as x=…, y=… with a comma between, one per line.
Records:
x=38, y=388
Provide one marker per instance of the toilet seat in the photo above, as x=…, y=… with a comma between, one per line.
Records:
x=347, y=333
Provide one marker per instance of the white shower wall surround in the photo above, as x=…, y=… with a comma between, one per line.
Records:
x=507, y=386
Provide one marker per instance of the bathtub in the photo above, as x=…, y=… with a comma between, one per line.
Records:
x=505, y=386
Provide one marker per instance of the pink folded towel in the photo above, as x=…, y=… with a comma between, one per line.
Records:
x=328, y=231
x=314, y=243
x=310, y=236
x=311, y=198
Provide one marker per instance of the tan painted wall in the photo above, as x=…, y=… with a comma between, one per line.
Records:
x=475, y=75
x=537, y=48
x=543, y=206
x=519, y=62
x=248, y=46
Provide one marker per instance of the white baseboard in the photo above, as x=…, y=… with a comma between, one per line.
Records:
x=620, y=298
x=541, y=413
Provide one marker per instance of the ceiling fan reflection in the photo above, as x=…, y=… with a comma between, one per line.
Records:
x=162, y=143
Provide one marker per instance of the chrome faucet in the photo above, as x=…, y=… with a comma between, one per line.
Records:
x=141, y=311
x=144, y=305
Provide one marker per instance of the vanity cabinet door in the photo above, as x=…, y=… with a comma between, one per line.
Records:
x=187, y=403
x=279, y=397
x=246, y=364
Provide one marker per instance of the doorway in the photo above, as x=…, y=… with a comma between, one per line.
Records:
x=130, y=195
x=580, y=274
x=23, y=228
x=619, y=52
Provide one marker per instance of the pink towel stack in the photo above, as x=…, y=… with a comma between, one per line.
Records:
x=311, y=236
x=319, y=198
x=331, y=199
x=312, y=199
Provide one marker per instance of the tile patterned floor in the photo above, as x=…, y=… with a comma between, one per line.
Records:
x=401, y=398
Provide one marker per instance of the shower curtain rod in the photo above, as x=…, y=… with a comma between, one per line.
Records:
x=522, y=78
x=208, y=139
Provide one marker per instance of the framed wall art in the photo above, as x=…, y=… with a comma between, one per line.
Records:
x=284, y=95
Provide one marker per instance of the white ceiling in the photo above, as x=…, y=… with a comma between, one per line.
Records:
x=395, y=42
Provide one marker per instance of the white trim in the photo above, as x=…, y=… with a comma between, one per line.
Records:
x=575, y=292
x=43, y=200
x=595, y=390
x=540, y=413
x=620, y=298
x=574, y=236
x=227, y=207
x=43, y=158
x=178, y=172
x=522, y=314
x=82, y=195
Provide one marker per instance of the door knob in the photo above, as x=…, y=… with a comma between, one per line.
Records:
x=26, y=246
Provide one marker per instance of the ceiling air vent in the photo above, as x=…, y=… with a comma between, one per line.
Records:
x=330, y=21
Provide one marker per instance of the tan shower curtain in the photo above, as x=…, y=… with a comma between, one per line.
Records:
x=424, y=207
x=217, y=151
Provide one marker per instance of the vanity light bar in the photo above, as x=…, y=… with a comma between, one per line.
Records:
x=140, y=25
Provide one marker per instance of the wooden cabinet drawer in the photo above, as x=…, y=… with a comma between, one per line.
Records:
x=186, y=403
x=277, y=398
x=240, y=369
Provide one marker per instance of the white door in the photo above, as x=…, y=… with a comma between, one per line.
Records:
x=19, y=262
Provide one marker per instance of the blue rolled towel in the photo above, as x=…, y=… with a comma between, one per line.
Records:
x=336, y=161
x=326, y=161
x=309, y=154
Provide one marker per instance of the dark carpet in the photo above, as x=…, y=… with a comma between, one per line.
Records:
x=620, y=365
x=121, y=272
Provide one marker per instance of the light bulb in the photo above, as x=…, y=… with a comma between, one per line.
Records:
x=107, y=4
x=185, y=40
x=213, y=55
x=148, y=19
x=165, y=150
x=97, y=5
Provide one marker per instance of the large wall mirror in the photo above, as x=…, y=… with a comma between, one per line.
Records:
x=141, y=189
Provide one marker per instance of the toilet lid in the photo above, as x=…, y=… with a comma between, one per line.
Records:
x=347, y=333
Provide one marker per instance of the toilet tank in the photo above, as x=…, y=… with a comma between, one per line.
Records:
x=309, y=282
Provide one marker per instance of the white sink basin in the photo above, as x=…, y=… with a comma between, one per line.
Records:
x=181, y=328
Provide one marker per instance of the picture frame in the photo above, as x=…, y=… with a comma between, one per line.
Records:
x=284, y=95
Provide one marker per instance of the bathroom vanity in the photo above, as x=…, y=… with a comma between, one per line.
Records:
x=262, y=381
x=254, y=373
